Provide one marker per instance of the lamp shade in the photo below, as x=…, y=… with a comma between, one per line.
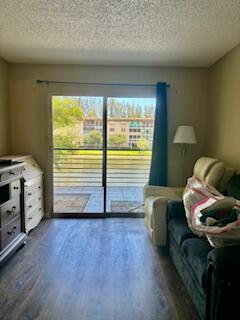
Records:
x=185, y=134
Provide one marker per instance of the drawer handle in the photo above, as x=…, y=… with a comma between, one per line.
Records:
x=39, y=187
x=29, y=193
x=30, y=206
x=12, y=210
x=12, y=231
x=30, y=218
x=12, y=172
x=15, y=188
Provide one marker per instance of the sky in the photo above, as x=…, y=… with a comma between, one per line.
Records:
x=139, y=101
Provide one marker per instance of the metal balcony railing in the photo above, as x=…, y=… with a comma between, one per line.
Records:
x=83, y=167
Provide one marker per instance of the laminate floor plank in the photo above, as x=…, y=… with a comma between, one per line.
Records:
x=99, y=269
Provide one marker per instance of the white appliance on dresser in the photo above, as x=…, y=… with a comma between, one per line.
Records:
x=33, y=190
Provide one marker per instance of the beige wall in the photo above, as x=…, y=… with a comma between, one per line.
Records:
x=30, y=116
x=4, y=123
x=223, y=138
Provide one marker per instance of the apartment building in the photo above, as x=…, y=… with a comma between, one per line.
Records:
x=134, y=129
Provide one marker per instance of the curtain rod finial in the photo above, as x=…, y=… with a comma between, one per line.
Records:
x=43, y=81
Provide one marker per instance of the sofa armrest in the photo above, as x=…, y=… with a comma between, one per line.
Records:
x=157, y=191
x=175, y=209
x=225, y=258
x=222, y=283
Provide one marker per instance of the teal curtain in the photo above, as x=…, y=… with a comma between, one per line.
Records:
x=158, y=171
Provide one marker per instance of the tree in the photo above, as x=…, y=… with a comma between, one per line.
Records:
x=149, y=111
x=92, y=106
x=143, y=144
x=93, y=139
x=66, y=111
x=117, y=140
x=63, y=141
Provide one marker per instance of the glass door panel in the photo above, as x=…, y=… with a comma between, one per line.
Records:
x=130, y=123
x=77, y=124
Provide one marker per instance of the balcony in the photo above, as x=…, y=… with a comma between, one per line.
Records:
x=78, y=180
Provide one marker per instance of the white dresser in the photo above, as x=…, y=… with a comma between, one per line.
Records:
x=33, y=190
x=12, y=234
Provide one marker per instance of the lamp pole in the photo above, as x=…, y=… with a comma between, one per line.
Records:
x=184, y=153
x=184, y=135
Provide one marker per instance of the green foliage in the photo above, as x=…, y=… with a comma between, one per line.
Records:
x=61, y=141
x=93, y=139
x=66, y=112
x=143, y=144
x=129, y=110
x=117, y=139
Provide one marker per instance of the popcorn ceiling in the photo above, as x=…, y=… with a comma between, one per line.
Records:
x=120, y=32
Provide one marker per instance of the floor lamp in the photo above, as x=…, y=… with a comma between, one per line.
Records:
x=185, y=135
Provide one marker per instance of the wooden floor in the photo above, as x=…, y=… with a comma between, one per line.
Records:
x=99, y=269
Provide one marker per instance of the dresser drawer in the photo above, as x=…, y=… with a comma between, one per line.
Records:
x=11, y=174
x=35, y=200
x=32, y=190
x=15, y=188
x=31, y=194
x=33, y=218
x=10, y=232
x=9, y=211
x=33, y=183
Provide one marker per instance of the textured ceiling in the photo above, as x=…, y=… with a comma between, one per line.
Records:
x=120, y=32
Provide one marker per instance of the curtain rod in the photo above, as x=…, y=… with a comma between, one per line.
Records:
x=98, y=83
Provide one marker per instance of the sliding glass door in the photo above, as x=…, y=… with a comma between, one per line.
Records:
x=77, y=134
x=101, y=154
x=130, y=125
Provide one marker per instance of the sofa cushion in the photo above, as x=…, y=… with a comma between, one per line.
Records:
x=179, y=230
x=202, y=167
x=209, y=170
x=195, y=251
x=233, y=187
x=215, y=174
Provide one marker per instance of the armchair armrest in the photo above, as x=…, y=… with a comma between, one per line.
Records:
x=157, y=191
x=155, y=219
x=175, y=209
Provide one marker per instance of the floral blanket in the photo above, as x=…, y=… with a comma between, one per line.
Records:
x=211, y=214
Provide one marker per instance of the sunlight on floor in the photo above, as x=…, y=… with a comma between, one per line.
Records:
x=90, y=199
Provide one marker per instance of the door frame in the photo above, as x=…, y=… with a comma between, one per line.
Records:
x=105, y=213
x=50, y=154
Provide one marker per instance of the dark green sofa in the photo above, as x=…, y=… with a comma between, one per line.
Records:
x=211, y=276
